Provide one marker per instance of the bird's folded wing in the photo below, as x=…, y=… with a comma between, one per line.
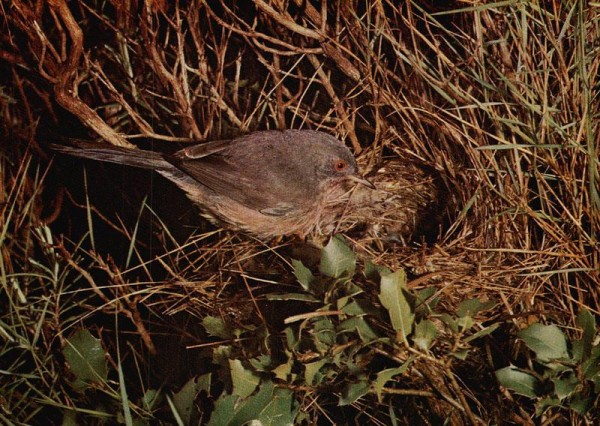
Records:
x=252, y=188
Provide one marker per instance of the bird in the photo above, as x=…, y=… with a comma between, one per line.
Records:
x=267, y=184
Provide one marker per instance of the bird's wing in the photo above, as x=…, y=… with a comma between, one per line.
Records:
x=244, y=183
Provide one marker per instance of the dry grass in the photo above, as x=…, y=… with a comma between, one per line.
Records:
x=491, y=110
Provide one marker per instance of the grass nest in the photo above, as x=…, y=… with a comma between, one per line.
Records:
x=465, y=290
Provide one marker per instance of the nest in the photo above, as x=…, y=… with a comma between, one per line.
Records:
x=479, y=129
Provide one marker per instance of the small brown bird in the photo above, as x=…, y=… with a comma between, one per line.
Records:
x=267, y=183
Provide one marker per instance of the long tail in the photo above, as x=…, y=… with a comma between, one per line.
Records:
x=136, y=158
x=112, y=154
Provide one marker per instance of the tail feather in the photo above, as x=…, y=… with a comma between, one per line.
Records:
x=112, y=154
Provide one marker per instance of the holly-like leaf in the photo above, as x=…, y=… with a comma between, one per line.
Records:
x=518, y=381
x=244, y=380
x=425, y=333
x=354, y=391
x=337, y=260
x=586, y=321
x=184, y=399
x=547, y=341
x=393, y=296
x=304, y=276
x=311, y=371
x=385, y=376
x=471, y=307
x=216, y=327
x=86, y=358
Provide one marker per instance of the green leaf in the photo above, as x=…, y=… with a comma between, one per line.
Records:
x=374, y=272
x=184, y=399
x=450, y=322
x=230, y=410
x=282, y=371
x=359, y=325
x=545, y=403
x=425, y=333
x=86, y=358
x=586, y=321
x=244, y=380
x=547, y=341
x=337, y=259
x=311, y=371
x=460, y=354
x=223, y=411
x=483, y=332
x=323, y=334
x=518, y=381
x=302, y=297
x=471, y=307
x=291, y=340
x=580, y=403
x=591, y=366
x=216, y=327
x=250, y=409
x=424, y=300
x=354, y=391
x=385, y=376
x=302, y=274
x=393, y=297
x=565, y=385
x=151, y=399
x=360, y=307
x=280, y=410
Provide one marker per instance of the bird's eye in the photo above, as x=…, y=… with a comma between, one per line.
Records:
x=340, y=166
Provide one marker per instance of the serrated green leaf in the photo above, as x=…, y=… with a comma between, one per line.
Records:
x=291, y=341
x=184, y=399
x=394, y=297
x=357, y=308
x=244, y=380
x=216, y=327
x=547, y=341
x=471, y=307
x=282, y=371
x=565, y=385
x=385, y=376
x=587, y=322
x=425, y=334
x=230, y=410
x=221, y=355
x=337, y=260
x=354, y=391
x=483, y=332
x=223, y=411
x=591, y=366
x=304, y=276
x=311, y=370
x=449, y=321
x=424, y=301
x=359, y=325
x=545, y=403
x=323, y=334
x=374, y=272
x=86, y=358
x=581, y=403
x=519, y=382
x=280, y=410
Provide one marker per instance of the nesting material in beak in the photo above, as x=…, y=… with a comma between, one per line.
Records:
x=361, y=180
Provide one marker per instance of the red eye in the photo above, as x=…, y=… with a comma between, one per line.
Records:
x=340, y=166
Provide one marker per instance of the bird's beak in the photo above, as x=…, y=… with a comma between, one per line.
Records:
x=361, y=180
